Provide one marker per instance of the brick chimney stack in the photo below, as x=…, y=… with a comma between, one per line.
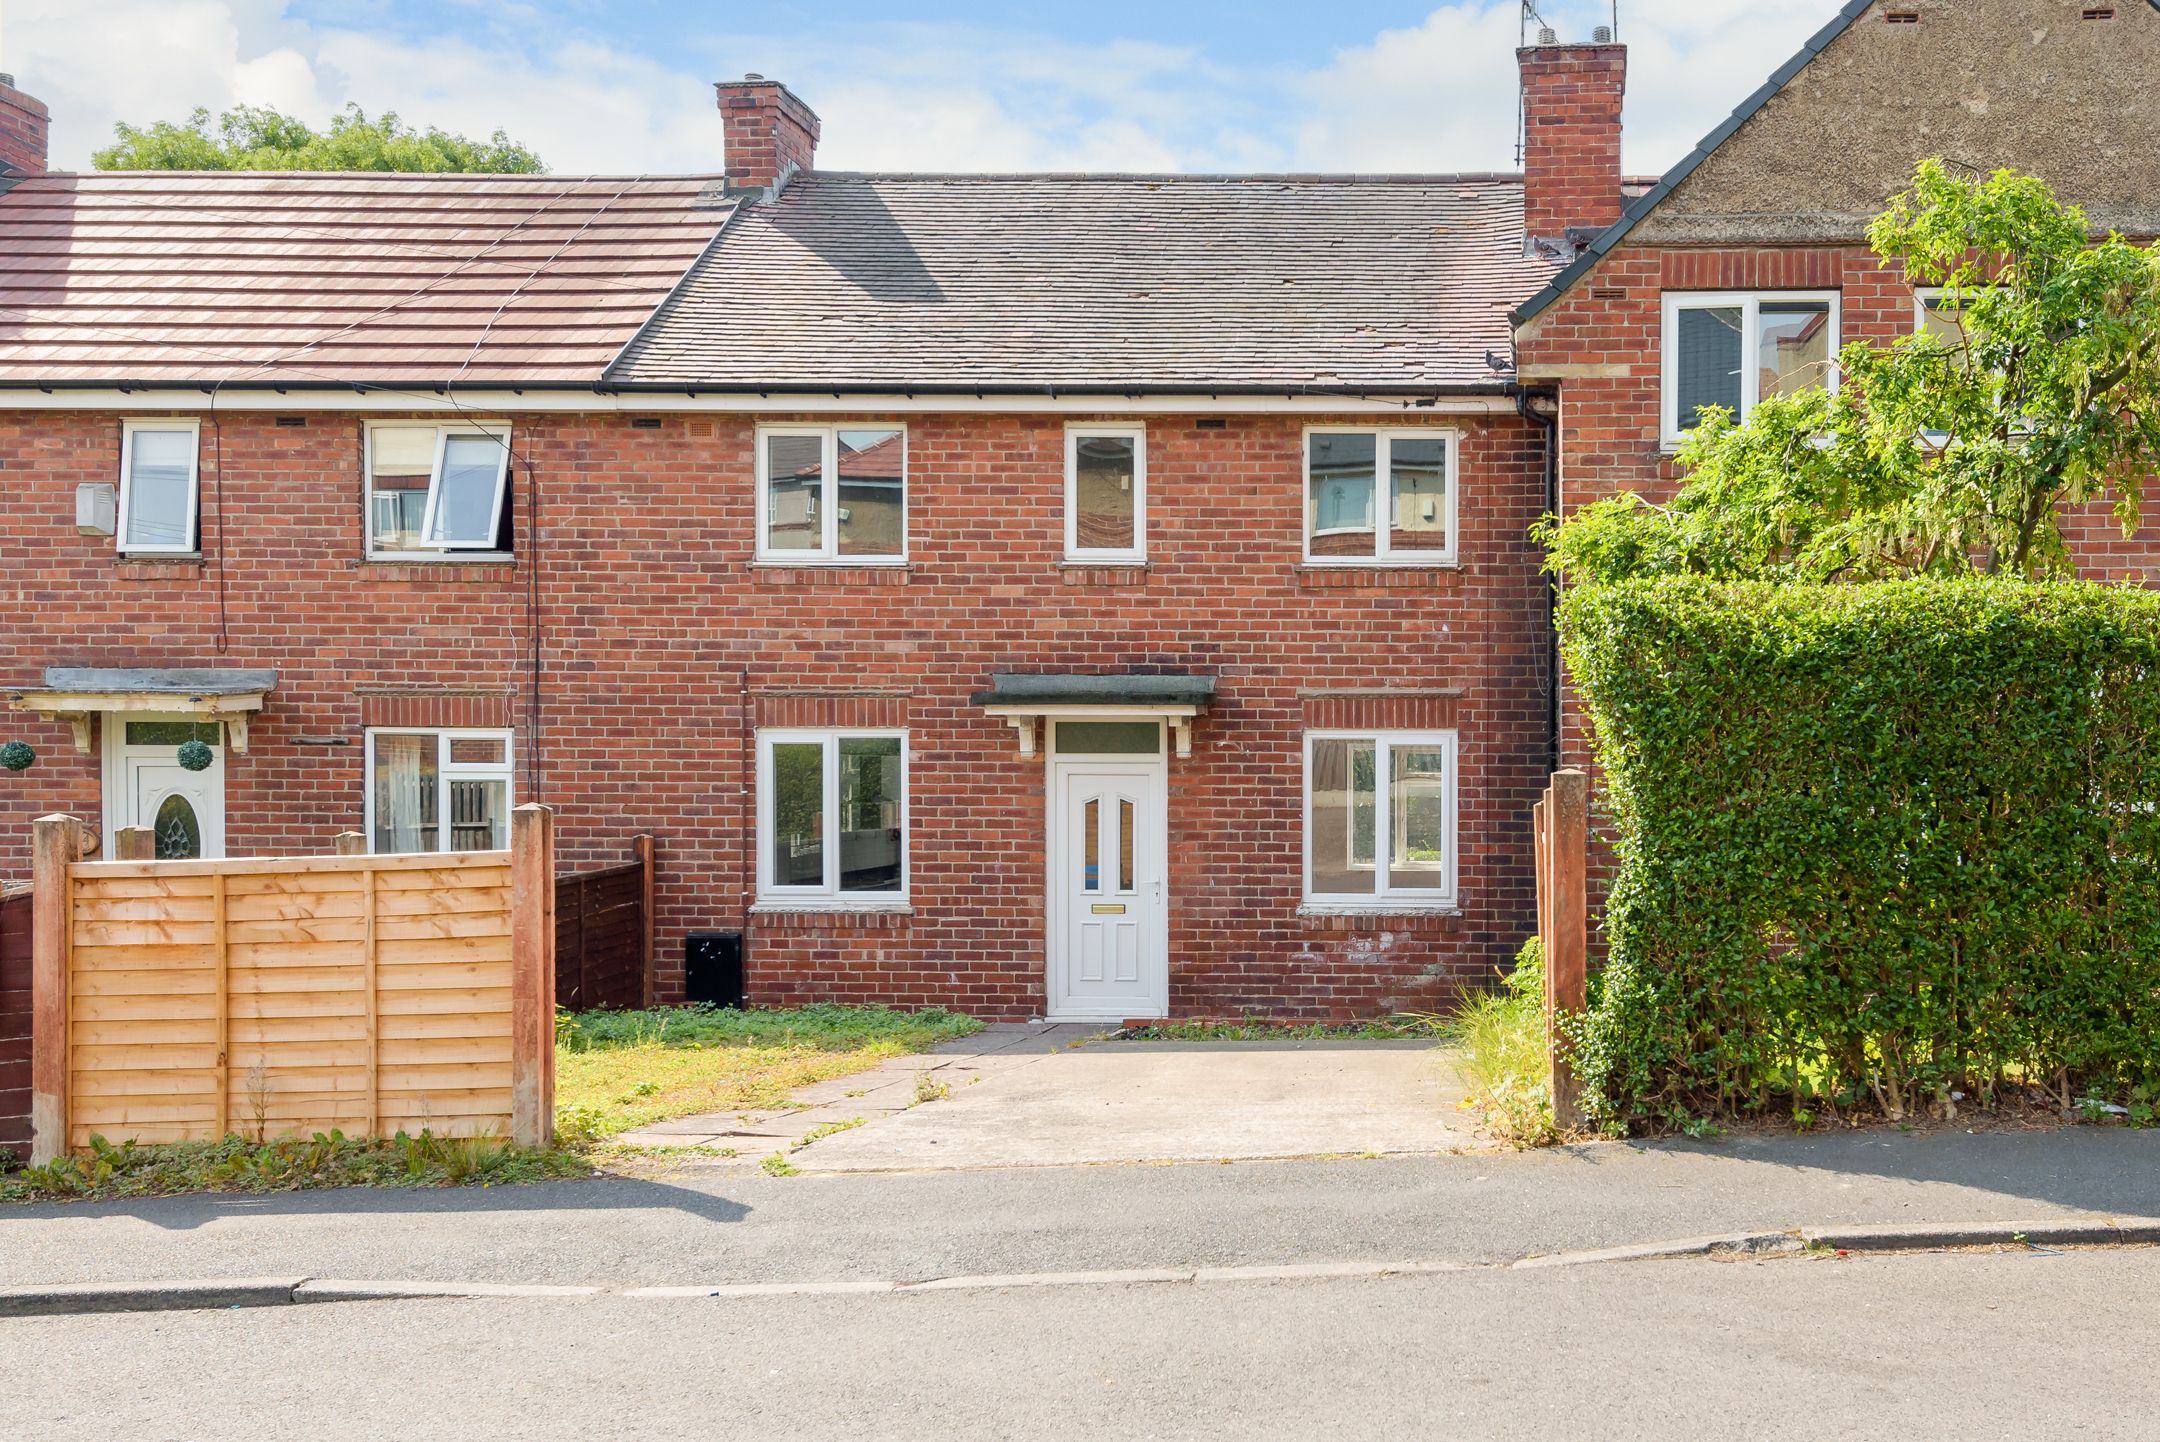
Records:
x=1571, y=139
x=770, y=133
x=24, y=126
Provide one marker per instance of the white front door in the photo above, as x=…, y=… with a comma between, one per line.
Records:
x=145, y=784
x=1109, y=934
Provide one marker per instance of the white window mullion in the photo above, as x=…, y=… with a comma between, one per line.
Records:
x=1383, y=818
x=1383, y=493
x=442, y=791
x=830, y=820
x=829, y=498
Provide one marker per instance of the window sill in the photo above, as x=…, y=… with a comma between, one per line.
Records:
x=1371, y=575
x=830, y=916
x=156, y=567
x=1082, y=572
x=1388, y=911
x=484, y=566
x=832, y=573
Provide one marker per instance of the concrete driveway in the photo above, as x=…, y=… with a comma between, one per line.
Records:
x=1041, y=1096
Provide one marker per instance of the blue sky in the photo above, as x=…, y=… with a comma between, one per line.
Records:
x=958, y=85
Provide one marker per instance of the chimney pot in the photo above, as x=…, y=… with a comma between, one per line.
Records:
x=1602, y=35
x=1548, y=36
x=770, y=134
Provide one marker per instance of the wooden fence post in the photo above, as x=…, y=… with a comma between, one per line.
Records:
x=1567, y=916
x=351, y=843
x=643, y=846
x=532, y=975
x=55, y=843
x=134, y=843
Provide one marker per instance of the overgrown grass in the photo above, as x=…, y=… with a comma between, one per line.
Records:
x=287, y=1164
x=619, y=1070
x=1500, y=1053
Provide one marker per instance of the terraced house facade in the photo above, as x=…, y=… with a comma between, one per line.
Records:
x=1078, y=596
x=1075, y=596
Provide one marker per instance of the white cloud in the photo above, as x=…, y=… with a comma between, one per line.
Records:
x=1436, y=95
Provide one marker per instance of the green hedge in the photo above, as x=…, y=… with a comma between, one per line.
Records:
x=1875, y=844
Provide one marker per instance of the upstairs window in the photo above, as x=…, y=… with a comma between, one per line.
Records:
x=832, y=493
x=437, y=489
x=1731, y=350
x=1380, y=497
x=160, y=486
x=1106, y=493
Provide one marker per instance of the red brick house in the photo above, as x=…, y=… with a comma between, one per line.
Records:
x=1745, y=267
x=1073, y=596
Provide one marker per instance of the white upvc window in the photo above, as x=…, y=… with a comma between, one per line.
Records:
x=832, y=817
x=437, y=489
x=160, y=488
x=435, y=789
x=1733, y=348
x=1380, y=811
x=832, y=494
x=1106, y=493
x=1380, y=497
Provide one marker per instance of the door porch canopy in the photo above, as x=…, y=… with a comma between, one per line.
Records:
x=75, y=694
x=1023, y=700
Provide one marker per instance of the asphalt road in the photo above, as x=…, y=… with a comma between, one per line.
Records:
x=1945, y=1345
x=739, y=1225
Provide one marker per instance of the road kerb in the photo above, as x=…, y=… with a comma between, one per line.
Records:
x=1754, y=1243
x=326, y=1290
x=78, y=1298
x=2046, y=1232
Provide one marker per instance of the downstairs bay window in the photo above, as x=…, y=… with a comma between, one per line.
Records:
x=832, y=817
x=437, y=791
x=1380, y=820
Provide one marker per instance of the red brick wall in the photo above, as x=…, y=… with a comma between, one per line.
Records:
x=663, y=647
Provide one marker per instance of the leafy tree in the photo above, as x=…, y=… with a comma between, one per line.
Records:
x=254, y=137
x=1939, y=454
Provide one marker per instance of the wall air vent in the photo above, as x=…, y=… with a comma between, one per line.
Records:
x=1901, y=17
x=2100, y=12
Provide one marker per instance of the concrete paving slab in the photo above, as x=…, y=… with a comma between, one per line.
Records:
x=1171, y=1101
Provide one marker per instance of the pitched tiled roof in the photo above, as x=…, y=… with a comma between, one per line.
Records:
x=306, y=278
x=1112, y=282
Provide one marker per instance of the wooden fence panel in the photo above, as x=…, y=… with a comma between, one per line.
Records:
x=603, y=935
x=369, y=994
x=15, y=1023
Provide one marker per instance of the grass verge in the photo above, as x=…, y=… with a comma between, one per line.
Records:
x=287, y=1164
x=619, y=1070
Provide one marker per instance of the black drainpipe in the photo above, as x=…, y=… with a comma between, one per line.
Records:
x=1549, y=421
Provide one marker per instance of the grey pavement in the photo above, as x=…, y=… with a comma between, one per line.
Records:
x=869, y=1096
x=725, y=1226
x=2032, y=1345
x=1112, y=1101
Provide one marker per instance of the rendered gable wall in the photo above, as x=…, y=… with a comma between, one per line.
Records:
x=2024, y=84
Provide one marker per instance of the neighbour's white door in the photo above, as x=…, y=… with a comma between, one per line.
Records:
x=145, y=784
x=1109, y=934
